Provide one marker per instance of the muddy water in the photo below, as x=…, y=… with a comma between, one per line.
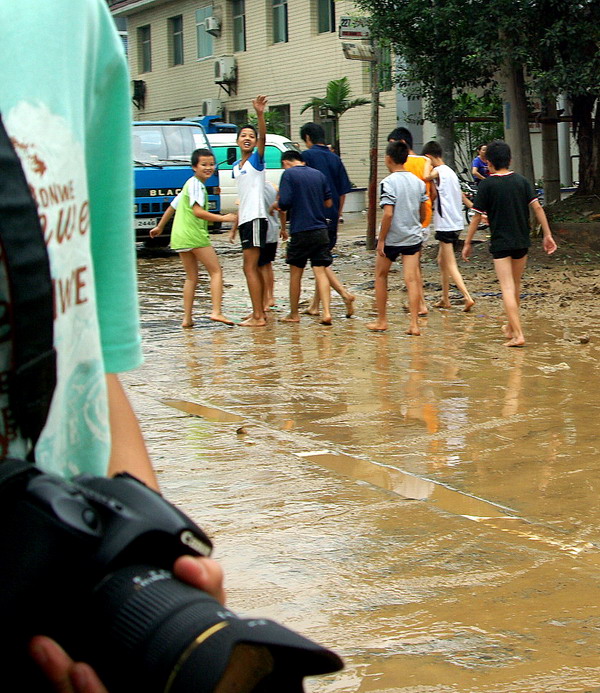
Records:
x=428, y=507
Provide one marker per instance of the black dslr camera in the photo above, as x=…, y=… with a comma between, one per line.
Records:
x=88, y=563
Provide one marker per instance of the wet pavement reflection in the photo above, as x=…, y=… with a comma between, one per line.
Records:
x=428, y=507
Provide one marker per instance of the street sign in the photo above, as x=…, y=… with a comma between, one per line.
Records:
x=358, y=51
x=353, y=28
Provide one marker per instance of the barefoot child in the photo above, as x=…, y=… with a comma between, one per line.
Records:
x=269, y=251
x=190, y=238
x=403, y=199
x=421, y=167
x=249, y=173
x=447, y=222
x=506, y=196
x=304, y=191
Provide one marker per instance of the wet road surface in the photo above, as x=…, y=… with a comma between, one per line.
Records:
x=427, y=507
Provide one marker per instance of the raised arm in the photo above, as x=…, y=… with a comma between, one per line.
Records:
x=260, y=105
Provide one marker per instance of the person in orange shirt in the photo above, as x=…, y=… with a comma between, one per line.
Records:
x=420, y=166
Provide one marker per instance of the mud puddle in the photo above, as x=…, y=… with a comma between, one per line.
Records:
x=428, y=507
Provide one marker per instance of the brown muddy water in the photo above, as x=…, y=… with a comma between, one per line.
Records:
x=428, y=507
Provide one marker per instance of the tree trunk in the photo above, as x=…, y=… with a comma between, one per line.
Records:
x=515, y=113
x=444, y=125
x=587, y=134
x=550, y=150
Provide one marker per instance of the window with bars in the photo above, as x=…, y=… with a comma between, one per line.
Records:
x=204, y=40
x=280, y=21
x=144, y=49
x=238, y=9
x=325, y=16
x=176, y=40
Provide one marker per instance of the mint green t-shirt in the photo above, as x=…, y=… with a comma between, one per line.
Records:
x=189, y=231
x=64, y=99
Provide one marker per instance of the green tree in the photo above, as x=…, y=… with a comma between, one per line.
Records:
x=336, y=102
x=274, y=121
x=450, y=47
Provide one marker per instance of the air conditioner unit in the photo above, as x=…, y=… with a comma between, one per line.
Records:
x=212, y=26
x=211, y=107
x=225, y=69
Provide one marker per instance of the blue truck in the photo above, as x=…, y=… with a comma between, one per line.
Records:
x=161, y=157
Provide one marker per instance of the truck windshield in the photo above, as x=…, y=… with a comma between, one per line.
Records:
x=175, y=143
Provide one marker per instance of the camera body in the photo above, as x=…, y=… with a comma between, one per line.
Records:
x=88, y=563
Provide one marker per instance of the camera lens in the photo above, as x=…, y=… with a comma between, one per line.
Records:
x=156, y=634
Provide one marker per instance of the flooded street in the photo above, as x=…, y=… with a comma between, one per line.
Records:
x=426, y=506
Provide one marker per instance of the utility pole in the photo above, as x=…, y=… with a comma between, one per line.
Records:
x=373, y=149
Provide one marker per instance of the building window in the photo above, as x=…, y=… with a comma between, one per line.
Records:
x=238, y=118
x=176, y=40
x=203, y=38
x=238, y=8
x=280, y=122
x=325, y=16
x=280, y=21
x=144, y=49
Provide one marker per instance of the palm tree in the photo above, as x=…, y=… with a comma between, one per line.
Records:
x=335, y=102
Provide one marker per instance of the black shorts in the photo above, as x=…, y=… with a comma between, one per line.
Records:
x=447, y=236
x=392, y=251
x=253, y=234
x=267, y=254
x=514, y=253
x=310, y=245
x=332, y=227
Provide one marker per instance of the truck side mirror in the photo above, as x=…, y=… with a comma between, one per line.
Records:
x=231, y=155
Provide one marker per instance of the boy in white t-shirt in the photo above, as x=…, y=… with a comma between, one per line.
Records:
x=447, y=222
x=249, y=173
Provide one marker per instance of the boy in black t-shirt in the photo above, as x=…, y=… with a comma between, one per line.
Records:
x=506, y=197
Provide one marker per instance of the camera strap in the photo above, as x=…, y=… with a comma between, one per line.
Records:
x=32, y=368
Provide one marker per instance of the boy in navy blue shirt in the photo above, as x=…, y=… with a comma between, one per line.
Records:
x=305, y=193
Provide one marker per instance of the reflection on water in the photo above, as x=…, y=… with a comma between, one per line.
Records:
x=429, y=507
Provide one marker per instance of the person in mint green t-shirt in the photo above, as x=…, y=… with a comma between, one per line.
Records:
x=190, y=238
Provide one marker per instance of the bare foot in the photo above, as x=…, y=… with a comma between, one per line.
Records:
x=378, y=326
x=325, y=320
x=349, y=301
x=469, y=303
x=443, y=304
x=219, y=317
x=311, y=311
x=253, y=322
x=506, y=331
x=515, y=342
x=414, y=331
x=291, y=317
x=187, y=323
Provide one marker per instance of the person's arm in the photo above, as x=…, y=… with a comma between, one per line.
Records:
x=476, y=174
x=434, y=173
x=283, y=234
x=128, y=450
x=386, y=222
x=341, y=203
x=160, y=227
x=202, y=213
x=548, y=242
x=233, y=231
x=67, y=676
x=423, y=209
x=260, y=104
x=466, y=251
